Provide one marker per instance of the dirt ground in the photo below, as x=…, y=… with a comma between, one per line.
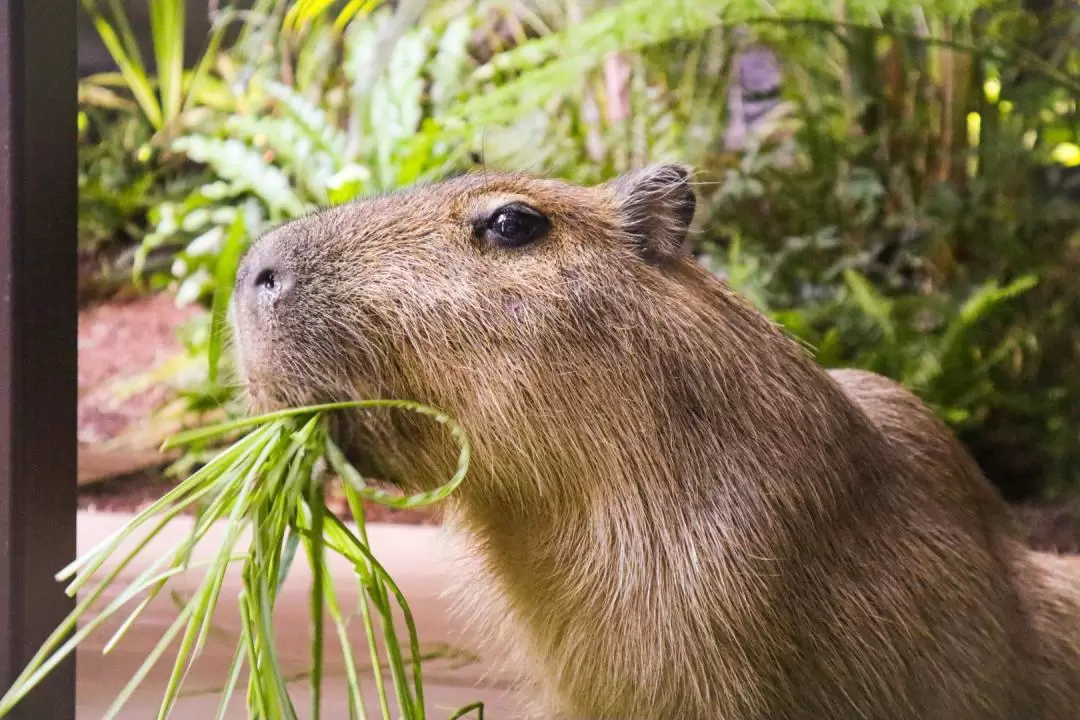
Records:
x=124, y=338
x=120, y=340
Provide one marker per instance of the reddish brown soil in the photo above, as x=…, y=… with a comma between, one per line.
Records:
x=120, y=340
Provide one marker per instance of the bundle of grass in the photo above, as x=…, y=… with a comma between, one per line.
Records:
x=270, y=482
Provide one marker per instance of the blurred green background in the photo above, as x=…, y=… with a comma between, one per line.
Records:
x=897, y=184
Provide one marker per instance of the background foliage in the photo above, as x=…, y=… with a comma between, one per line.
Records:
x=910, y=204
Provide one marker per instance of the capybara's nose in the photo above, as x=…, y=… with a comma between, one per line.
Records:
x=264, y=279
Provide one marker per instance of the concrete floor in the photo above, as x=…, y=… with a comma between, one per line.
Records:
x=412, y=555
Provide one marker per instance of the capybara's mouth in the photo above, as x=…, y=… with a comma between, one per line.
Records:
x=343, y=427
x=264, y=397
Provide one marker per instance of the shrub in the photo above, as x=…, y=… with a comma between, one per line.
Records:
x=913, y=182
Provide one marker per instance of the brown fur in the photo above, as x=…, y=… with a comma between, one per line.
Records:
x=672, y=511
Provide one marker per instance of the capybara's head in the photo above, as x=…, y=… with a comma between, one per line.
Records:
x=527, y=308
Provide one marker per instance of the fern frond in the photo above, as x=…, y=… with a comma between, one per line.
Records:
x=293, y=148
x=871, y=303
x=449, y=69
x=975, y=309
x=313, y=120
x=556, y=62
x=239, y=163
x=396, y=107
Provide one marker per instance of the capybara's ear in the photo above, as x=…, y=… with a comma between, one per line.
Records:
x=655, y=206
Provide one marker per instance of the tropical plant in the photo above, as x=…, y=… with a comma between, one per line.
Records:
x=931, y=165
x=287, y=149
x=163, y=96
x=116, y=185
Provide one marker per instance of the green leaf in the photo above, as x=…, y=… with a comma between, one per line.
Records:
x=292, y=542
x=976, y=308
x=193, y=82
x=451, y=63
x=987, y=297
x=129, y=64
x=224, y=279
x=312, y=120
x=233, y=160
x=167, y=19
x=871, y=303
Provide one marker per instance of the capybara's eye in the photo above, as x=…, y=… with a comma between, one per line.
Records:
x=515, y=225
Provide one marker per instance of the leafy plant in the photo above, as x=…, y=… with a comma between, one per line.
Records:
x=269, y=482
x=304, y=12
x=116, y=187
x=277, y=151
x=121, y=180
x=932, y=347
x=916, y=172
x=164, y=96
x=920, y=148
x=932, y=344
x=292, y=149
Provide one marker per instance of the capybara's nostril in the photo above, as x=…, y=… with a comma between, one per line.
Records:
x=272, y=282
x=267, y=281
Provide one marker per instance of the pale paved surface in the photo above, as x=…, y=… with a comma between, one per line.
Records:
x=412, y=555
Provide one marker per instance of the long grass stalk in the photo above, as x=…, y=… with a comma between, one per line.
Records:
x=266, y=484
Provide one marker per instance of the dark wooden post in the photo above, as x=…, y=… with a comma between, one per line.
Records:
x=38, y=324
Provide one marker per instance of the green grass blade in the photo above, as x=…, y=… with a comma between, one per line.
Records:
x=138, y=587
x=273, y=665
x=381, y=578
x=167, y=18
x=292, y=542
x=375, y=589
x=50, y=656
x=477, y=706
x=205, y=600
x=233, y=678
x=258, y=706
x=224, y=277
x=127, y=35
x=135, y=75
x=265, y=481
x=317, y=557
x=42, y=659
x=303, y=12
x=147, y=577
x=194, y=487
x=353, y=479
x=357, y=708
x=364, y=597
x=365, y=576
x=201, y=434
x=355, y=9
x=148, y=664
x=194, y=80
